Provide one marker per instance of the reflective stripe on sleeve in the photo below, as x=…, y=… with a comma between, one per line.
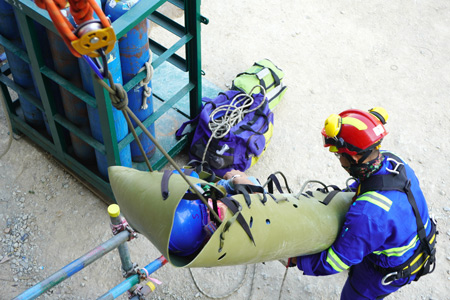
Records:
x=377, y=199
x=335, y=261
x=399, y=251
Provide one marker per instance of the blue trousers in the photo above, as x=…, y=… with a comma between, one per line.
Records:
x=364, y=282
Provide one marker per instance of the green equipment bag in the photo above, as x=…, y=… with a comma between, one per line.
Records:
x=266, y=74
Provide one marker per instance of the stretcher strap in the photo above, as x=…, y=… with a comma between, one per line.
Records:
x=236, y=208
x=246, y=189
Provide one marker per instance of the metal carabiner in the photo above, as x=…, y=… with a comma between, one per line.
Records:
x=383, y=280
x=101, y=71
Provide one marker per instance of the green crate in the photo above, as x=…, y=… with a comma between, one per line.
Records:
x=173, y=103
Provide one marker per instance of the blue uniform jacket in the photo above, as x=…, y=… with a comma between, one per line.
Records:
x=379, y=227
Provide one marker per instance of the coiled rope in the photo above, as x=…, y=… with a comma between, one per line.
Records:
x=230, y=115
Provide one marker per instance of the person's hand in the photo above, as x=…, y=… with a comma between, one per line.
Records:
x=289, y=262
x=237, y=177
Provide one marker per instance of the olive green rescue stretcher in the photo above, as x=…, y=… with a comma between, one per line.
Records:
x=285, y=225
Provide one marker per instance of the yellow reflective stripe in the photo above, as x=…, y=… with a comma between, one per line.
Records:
x=360, y=125
x=377, y=199
x=399, y=251
x=335, y=261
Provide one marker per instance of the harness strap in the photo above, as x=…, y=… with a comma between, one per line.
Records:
x=419, y=263
x=235, y=208
x=398, y=180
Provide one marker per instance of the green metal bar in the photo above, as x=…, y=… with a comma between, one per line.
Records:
x=21, y=91
x=79, y=133
x=14, y=49
x=167, y=23
x=29, y=35
x=32, y=133
x=30, y=9
x=161, y=58
x=107, y=124
x=135, y=15
x=9, y=104
x=189, y=38
x=178, y=3
x=185, y=40
x=88, y=177
x=69, y=86
x=174, y=59
x=158, y=113
x=193, y=55
x=176, y=149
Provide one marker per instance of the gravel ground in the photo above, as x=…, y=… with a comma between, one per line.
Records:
x=336, y=55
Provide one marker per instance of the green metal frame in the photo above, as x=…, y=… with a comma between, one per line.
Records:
x=189, y=37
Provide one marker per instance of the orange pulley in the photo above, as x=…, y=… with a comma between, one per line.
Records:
x=91, y=35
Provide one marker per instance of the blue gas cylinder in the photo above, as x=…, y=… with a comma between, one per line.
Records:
x=134, y=53
x=20, y=69
x=120, y=124
x=75, y=109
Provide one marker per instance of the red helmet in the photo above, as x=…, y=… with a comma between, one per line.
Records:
x=355, y=131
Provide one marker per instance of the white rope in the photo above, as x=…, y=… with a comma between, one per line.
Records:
x=232, y=114
x=144, y=82
x=225, y=295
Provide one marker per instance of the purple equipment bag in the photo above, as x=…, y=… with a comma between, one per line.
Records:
x=243, y=144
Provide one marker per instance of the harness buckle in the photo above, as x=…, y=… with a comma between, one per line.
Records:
x=397, y=165
x=385, y=278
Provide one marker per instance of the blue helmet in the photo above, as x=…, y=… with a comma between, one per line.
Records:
x=187, y=234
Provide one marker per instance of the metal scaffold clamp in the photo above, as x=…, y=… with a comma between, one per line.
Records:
x=119, y=223
x=123, y=225
x=141, y=291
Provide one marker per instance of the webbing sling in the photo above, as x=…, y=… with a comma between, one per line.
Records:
x=234, y=205
x=246, y=189
x=165, y=181
x=399, y=181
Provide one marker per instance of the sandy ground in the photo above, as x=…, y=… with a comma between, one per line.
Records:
x=336, y=55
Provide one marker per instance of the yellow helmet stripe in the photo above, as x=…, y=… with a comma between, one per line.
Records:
x=360, y=125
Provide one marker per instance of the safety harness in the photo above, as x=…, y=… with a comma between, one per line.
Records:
x=423, y=260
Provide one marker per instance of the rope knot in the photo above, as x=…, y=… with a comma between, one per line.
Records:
x=144, y=82
x=119, y=99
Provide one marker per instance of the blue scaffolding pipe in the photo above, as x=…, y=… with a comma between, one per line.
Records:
x=133, y=280
x=74, y=267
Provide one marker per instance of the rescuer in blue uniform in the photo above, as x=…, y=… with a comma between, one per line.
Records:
x=383, y=243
